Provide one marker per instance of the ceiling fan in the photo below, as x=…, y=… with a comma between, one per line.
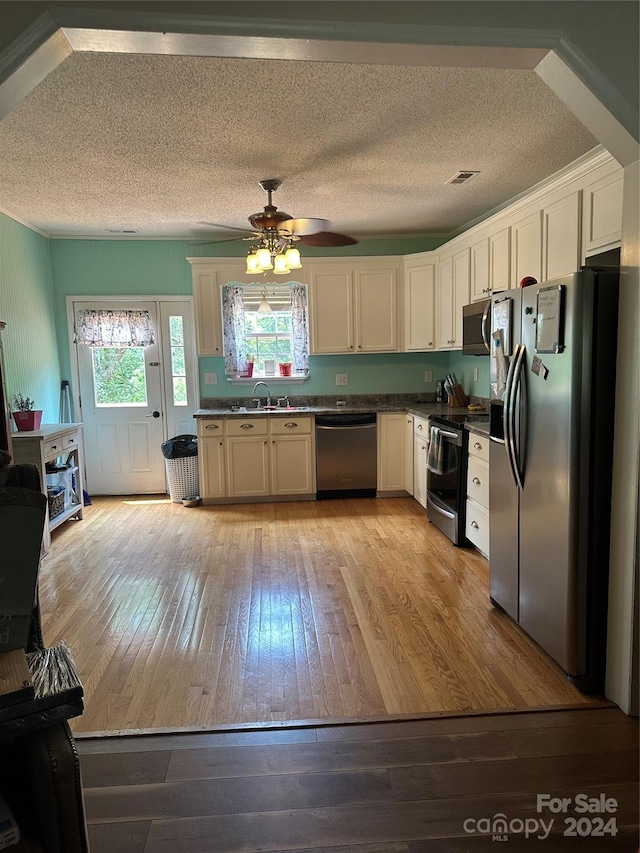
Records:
x=275, y=233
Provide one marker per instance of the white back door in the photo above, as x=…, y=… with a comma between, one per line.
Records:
x=132, y=399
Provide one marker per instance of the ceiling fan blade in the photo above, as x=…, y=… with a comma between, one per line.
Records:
x=214, y=242
x=300, y=227
x=327, y=239
x=227, y=227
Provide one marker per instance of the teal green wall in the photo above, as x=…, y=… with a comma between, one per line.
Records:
x=115, y=268
x=395, y=373
x=159, y=267
x=26, y=306
x=463, y=366
x=36, y=275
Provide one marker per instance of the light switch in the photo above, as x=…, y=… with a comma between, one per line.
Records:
x=342, y=378
x=428, y=376
x=211, y=379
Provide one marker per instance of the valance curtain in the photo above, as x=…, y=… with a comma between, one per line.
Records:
x=114, y=329
x=235, y=347
x=299, y=328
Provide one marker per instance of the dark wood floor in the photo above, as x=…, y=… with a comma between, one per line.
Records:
x=388, y=787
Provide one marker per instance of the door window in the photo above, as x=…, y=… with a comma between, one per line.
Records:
x=119, y=376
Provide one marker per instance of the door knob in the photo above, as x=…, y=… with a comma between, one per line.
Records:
x=155, y=414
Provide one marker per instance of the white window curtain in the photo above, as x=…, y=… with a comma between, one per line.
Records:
x=114, y=329
x=235, y=347
x=299, y=328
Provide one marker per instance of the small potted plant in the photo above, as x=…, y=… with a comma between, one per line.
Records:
x=26, y=418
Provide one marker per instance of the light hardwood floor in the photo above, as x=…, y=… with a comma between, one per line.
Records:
x=278, y=612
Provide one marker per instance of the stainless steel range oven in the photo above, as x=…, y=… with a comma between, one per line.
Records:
x=447, y=475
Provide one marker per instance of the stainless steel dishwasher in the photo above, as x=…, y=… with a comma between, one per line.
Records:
x=346, y=455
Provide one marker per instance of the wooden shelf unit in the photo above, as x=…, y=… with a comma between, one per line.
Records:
x=48, y=444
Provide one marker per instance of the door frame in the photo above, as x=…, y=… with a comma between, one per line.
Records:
x=73, y=352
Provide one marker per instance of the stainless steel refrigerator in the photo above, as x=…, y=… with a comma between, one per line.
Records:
x=551, y=419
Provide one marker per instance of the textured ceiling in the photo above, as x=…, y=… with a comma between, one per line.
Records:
x=159, y=144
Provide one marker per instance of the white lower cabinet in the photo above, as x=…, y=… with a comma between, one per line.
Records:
x=292, y=457
x=391, y=452
x=420, y=450
x=477, y=509
x=247, y=466
x=211, y=458
x=256, y=458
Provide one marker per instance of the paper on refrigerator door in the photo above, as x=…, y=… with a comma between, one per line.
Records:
x=502, y=363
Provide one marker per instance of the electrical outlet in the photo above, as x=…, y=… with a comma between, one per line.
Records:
x=428, y=376
x=342, y=378
x=475, y=374
x=211, y=379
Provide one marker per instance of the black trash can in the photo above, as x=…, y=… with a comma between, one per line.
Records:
x=181, y=465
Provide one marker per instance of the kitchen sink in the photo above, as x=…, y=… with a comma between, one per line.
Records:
x=268, y=410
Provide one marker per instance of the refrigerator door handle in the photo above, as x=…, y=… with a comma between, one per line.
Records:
x=506, y=419
x=515, y=382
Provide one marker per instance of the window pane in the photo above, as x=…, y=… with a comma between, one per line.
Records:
x=252, y=349
x=176, y=331
x=179, y=391
x=284, y=322
x=284, y=349
x=267, y=347
x=177, y=361
x=266, y=322
x=249, y=322
x=119, y=377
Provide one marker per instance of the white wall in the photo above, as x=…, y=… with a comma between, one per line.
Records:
x=623, y=578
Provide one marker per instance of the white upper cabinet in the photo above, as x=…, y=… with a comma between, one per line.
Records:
x=354, y=309
x=454, y=282
x=602, y=222
x=331, y=310
x=561, y=236
x=207, y=308
x=527, y=247
x=500, y=260
x=419, y=307
x=480, y=277
x=376, y=310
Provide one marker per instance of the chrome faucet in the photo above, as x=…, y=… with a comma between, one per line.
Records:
x=257, y=400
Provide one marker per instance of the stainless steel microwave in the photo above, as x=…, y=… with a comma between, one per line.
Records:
x=476, y=323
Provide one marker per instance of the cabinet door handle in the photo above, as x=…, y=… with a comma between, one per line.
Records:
x=212, y=426
x=475, y=524
x=291, y=425
x=419, y=426
x=477, y=445
x=430, y=343
x=246, y=426
x=476, y=481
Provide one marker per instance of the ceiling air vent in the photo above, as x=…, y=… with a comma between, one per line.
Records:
x=121, y=231
x=462, y=177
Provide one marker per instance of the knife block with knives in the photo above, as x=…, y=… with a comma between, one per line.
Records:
x=456, y=398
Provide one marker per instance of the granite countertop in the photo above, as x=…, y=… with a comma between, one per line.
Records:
x=481, y=427
x=419, y=408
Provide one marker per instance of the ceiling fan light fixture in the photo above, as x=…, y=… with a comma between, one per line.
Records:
x=280, y=266
x=292, y=257
x=264, y=259
x=252, y=262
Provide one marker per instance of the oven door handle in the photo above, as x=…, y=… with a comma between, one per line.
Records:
x=446, y=434
x=439, y=509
